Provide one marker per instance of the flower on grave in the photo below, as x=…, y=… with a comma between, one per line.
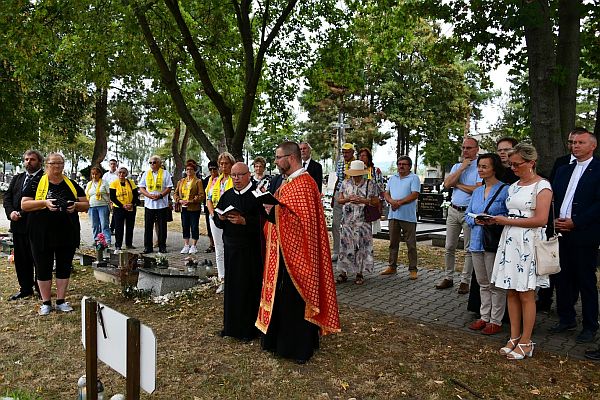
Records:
x=101, y=242
x=445, y=204
x=162, y=261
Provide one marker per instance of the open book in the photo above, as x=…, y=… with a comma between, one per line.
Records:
x=228, y=211
x=482, y=217
x=265, y=197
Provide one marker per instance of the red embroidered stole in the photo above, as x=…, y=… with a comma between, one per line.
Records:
x=300, y=232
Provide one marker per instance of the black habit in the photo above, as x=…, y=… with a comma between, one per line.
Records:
x=243, y=264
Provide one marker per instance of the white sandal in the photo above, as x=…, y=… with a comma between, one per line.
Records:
x=506, y=350
x=513, y=355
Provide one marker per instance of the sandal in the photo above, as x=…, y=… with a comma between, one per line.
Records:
x=513, y=343
x=342, y=278
x=359, y=279
x=521, y=354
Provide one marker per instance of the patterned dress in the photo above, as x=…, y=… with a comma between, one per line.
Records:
x=514, y=267
x=356, y=238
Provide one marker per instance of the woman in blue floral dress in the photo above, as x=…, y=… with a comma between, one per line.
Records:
x=514, y=266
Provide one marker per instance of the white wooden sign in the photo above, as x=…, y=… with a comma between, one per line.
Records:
x=112, y=349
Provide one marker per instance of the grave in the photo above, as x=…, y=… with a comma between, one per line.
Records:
x=161, y=280
x=121, y=270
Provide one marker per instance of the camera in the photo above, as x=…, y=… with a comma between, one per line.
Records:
x=62, y=204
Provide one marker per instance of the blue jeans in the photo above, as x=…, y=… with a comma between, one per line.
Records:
x=189, y=222
x=100, y=223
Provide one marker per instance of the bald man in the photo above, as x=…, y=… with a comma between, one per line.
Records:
x=242, y=239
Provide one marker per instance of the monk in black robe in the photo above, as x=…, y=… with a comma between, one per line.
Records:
x=242, y=235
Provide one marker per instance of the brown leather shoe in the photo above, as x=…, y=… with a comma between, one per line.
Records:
x=463, y=288
x=445, y=284
x=388, y=271
x=412, y=275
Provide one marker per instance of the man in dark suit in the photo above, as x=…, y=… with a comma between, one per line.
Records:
x=544, y=300
x=577, y=208
x=32, y=161
x=313, y=168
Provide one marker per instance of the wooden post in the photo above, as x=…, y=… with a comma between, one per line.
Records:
x=133, y=359
x=91, y=349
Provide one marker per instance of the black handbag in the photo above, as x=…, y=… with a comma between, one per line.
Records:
x=372, y=213
x=492, y=233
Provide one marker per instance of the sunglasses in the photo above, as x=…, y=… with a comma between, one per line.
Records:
x=153, y=162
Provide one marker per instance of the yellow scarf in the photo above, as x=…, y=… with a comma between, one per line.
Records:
x=89, y=189
x=124, y=192
x=186, y=188
x=216, y=190
x=42, y=190
x=152, y=186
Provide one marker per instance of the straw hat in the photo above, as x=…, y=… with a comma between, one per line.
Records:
x=347, y=146
x=357, y=167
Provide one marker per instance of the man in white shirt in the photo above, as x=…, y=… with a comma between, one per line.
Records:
x=155, y=184
x=577, y=203
x=110, y=176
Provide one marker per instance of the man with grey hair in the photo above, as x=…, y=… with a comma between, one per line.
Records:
x=32, y=161
x=155, y=184
x=314, y=169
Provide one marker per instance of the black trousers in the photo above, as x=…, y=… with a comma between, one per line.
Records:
x=160, y=217
x=24, y=265
x=577, y=277
x=124, y=222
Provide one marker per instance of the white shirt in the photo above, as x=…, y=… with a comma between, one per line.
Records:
x=567, y=204
x=166, y=182
x=305, y=163
x=110, y=177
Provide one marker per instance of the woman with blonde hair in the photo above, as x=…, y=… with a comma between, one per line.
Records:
x=528, y=205
x=54, y=229
x=98, y=195
x=222, y=184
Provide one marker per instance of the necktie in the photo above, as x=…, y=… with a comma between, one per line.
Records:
x=27, y=180
x=304, y=165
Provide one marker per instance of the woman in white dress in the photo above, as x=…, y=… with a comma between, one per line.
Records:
x=514, y=266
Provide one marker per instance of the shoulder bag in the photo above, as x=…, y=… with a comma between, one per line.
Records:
x=492, y=233
x=547, y=260
x=372, y=213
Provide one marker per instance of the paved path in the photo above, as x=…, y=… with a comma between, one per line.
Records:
x=399, y=296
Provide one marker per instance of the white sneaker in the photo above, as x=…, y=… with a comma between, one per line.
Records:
x=221, y=288
x=64, y=307
x=45, y=309
x=193, y=249
x=185, y=250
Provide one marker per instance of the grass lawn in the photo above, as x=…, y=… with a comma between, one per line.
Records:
x=376, y=356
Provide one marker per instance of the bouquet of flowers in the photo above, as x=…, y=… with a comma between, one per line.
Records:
x=101, y=243
x=445, y=204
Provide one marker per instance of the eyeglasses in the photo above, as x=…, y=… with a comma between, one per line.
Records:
x=153, y=162
x=235, y=176
x=280, y=157
x=516, y=165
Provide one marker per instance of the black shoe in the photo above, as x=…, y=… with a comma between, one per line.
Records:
x=130, y=247
x=593, y=354
x=20, y=295
x=585, y=336
x=163, y=250
x=559, y=328
x=147, y=251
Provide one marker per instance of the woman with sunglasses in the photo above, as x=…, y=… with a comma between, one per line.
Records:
x=528, y=204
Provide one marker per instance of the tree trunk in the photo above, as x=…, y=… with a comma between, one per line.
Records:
x=567, y=59
x=545, y=106
x=100, y=129
x=179, y=152
x=597, y=125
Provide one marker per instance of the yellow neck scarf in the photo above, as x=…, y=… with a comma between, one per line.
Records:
x=89, y=189
x=124, y=192
x=42, y=190
x=186, y=188
x=152, y=186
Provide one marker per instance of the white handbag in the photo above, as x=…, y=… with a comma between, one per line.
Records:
x=547, y=260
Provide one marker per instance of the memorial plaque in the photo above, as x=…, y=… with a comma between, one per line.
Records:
x=430, y=206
